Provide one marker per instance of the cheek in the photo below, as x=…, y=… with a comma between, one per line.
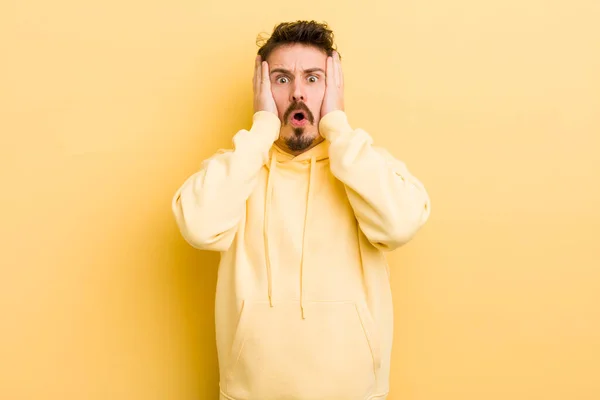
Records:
x=317, y=96
x=281, y=98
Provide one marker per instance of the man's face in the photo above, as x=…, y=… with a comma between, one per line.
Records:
x=297, y=75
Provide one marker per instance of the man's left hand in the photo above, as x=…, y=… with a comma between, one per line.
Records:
x=334, y=81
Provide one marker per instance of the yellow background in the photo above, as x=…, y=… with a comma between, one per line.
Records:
x=106, y=107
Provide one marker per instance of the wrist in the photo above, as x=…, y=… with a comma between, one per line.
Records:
x=333, y=124
x=266, y=123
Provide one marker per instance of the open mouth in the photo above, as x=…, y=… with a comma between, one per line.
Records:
x=298, y=118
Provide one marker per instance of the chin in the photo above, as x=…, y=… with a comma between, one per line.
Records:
x=299, y=139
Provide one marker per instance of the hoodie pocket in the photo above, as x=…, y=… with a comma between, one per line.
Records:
x=331, y=354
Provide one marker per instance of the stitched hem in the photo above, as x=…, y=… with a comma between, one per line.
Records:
x=380, y=396
x=224, y=396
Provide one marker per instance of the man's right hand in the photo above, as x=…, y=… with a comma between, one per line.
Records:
x=263, y=98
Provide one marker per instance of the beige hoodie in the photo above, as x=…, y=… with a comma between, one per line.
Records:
x=303, y=304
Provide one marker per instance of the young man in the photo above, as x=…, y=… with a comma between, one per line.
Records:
x=302, y=210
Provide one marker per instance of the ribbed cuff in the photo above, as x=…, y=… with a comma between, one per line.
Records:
x=256, y=142
x=266, y=124
x=334, y=124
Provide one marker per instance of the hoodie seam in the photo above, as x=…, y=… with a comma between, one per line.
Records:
x=378, y=396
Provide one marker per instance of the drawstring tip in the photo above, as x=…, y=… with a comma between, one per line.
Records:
x=303, y=313
x=270, y=301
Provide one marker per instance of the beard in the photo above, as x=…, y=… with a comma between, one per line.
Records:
x=300, y=141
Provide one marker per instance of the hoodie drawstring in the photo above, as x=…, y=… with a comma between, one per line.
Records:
x=305, y=234
x=266, y=228
x=311, y=172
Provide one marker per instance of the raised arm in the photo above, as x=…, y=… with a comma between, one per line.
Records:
x=210, y=204
x=389, y=203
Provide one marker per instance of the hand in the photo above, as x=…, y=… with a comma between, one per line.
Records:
x=263, y=98
x=334, y=90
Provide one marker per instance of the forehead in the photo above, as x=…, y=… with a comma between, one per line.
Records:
x=297, y=55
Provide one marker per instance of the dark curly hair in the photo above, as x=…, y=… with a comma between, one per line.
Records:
x=307, y=32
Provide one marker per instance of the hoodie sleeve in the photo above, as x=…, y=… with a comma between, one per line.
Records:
x=389, y=203
x=210, y=204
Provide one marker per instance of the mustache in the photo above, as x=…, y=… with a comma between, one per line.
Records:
x=299, y=106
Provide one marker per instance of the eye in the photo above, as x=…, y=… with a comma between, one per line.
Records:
x=313, y=78
x=283, y=79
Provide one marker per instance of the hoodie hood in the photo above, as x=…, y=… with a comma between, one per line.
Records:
x=320, y=152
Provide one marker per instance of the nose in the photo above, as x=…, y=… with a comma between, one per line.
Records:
x=298, y=93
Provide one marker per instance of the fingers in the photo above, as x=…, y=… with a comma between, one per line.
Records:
x=334, y=71
x=339, y=73
x=330, y=73
x=257, y=74
x=266, y=82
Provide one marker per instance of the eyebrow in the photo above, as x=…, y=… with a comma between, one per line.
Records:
x=306, y=71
